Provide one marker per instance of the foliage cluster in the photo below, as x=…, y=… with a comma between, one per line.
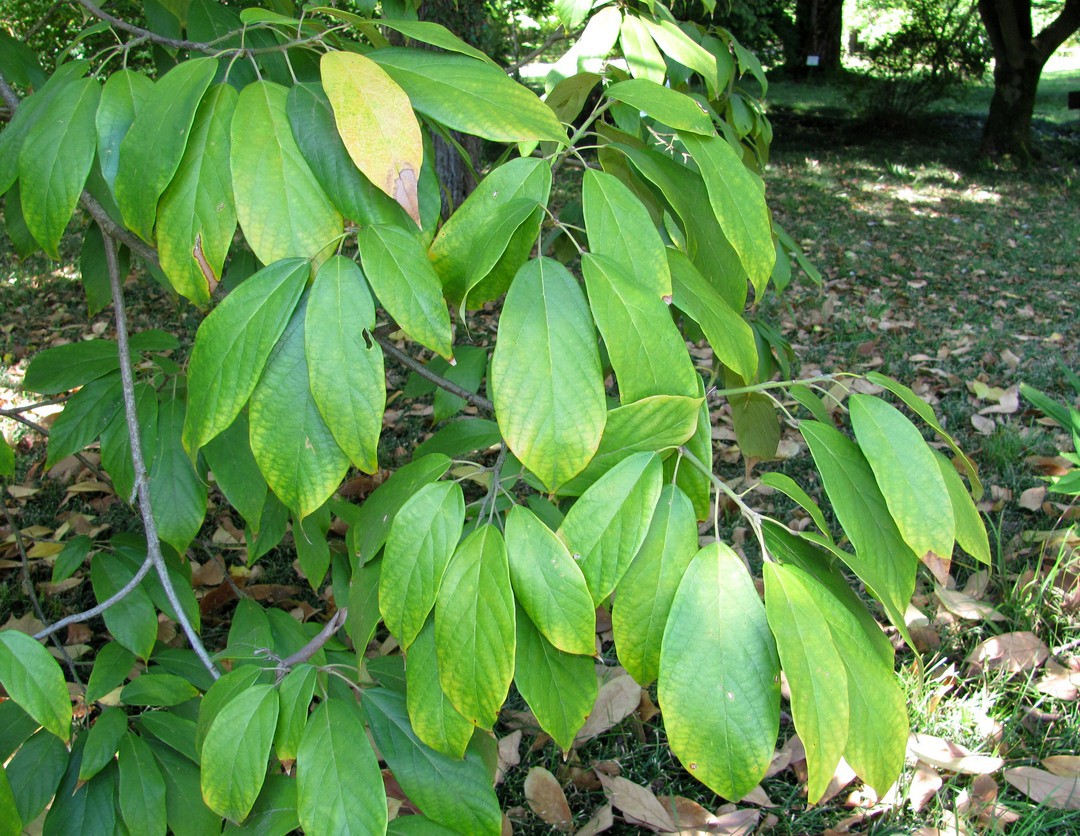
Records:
x=310, y=134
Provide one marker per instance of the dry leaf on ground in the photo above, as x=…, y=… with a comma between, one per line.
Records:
x=964, y=606
x=924, y=785
x=951, y=757
x=1059, y=682
x=1032, y=498
x=1046, y=788
x=843, y=776
x=1010, y=652
x=509, y=755
x=687, y=814
x=601, y=820
x=637, y=804
x=735, y=823
x=546, y=798
x=617, y=700
x=1065, y=766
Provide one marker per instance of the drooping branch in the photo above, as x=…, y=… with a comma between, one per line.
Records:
x=142, y=482
x=410, y=362
x=114, y=599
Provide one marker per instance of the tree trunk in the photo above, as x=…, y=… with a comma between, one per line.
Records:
x=819, y=26
x=1019, y=57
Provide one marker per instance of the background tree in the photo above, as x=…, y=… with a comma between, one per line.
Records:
x=819, y=29
x=1019, y=57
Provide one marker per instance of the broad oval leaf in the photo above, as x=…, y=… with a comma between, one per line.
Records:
x=474, y=627
x=607, y=525
x=648, y=588
x=177, y=491
x=546, y=379
x=32, y=678
x=196, y=215
x=559, y=687
x=433, y=717
x=102, y=742
x=142, y=788
x=722, y=709
x=619, y=227
x=675, y=109
x=423, y=537
x=677, y=45
x=281, y=207
x=814, y=669
x=737, y=197
x=907, y=474
x=55, y=160
x=377, y=124
x=34, y=772
x=124, y=94
x=643, y=59
x=154, y=144
x=339, y=785
x=647, y=352
x=233, y=344
x=64, y=367
x=405, y=282
x=236, y=473
x=345, y=369
x=293, y=446
x=548, y=584
x=970, y=530
x=235, y=752
x=469, y=95
x=132, y=620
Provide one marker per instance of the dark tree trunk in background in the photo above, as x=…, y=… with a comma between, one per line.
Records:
x=466, y=20
x=819, y=27
x=1019, y=57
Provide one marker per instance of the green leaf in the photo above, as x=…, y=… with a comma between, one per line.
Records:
x=376, y=122
x=459, y=438
x=7, y=459
x=559, y=687
x=546, y=379
x=548, y=584
x=65, y=367
x=731, y=337
x=757, y=428
x=907, y=474
x=224, y=690
x=434, y=34
x=643, y=59
x=185, y=811
x=790, y=488
x=71, y=557
x=339, y=785
x=674, y=109
x=11, y=823
x=293, y=446
x=722, y=710
x=233, y=344
x=970, y=530
x=737, y=197
x=372, y=525
x=236, y=473
x=677, y=45
x=651, y=424
x=423, y=537
x=116, y=443
x=35, y=772
x=432, y=716
x=474, y=228
x=455, y=793
x=814, y=669
x=175, y=732
x=153, y=146
x=111, y=667
x=619, y=227
x=405, y=282
x=692, y=481
x=607, y=525
x=235, y=752
x=158, y=689
x=274, y=813
x=85, y=415
x=131, y=550
x=472, y=364
x=882, y=560
x=363, y=615
x=123, y=96
x=142, y=789
x=647, y=352
x=345, y=368
x=569, y=97
x=474, y=627
x=312, y=548
x=281, y=207
x=196, y=216
x=32, y=678
x=594, y=43
x=15, y=224
x=647, y=590
x=131, y=620
x=572, y=13
x=177, y=491
x=470, y=96
x=55, y=161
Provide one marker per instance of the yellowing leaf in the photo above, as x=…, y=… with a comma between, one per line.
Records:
x=376, y=121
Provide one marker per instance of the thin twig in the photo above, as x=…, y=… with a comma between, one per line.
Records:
x=142, y=484
x=123, y=25
x=11, y=413
x=316, y=643
x=559, y=34
x=488, y=505
x=32, y=594
x=114, y=599
x=479, y=401
x=11, y=98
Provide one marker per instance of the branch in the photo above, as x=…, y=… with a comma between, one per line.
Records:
x=312, y=647
x=18, y=410
x=479, y=401
x=142, y=484
x=559, y=34
x=123, y=25
x=33, y=595
x=118, y=596
x=11, y=99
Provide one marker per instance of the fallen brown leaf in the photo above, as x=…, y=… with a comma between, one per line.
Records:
x=1059, y=682
x=1064, y=766
x=1046, y=788
x=601, y=820
x=980, y=802
x=686, y=813
x=758, y=797
x=546, y=798
x=843, y=776
x=965, y=606
x=637, y=804
x=736, y=823
x=939, y=566
x=1032, y=498
x=1010, y=652
x=617, y=700
x=924, y=785
x=509, y=755
x=949, y=756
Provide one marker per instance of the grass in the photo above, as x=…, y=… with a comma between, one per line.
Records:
x=938, y=271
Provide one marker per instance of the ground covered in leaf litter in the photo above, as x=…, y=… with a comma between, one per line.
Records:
x=960, y=281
